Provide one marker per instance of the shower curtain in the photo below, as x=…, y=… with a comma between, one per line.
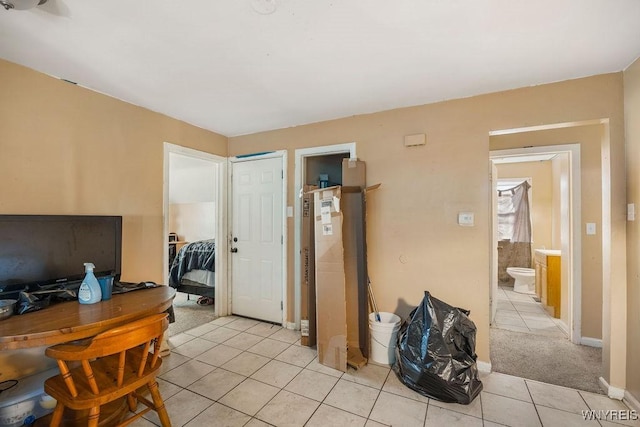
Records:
x=514, y=230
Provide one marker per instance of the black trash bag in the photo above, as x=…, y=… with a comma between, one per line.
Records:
x=28, y=302
x=435, y=355
x=37, y=300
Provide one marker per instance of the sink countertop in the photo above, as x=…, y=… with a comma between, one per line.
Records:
x=556, y=252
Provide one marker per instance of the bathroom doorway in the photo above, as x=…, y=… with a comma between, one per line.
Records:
x=523, y=326
x=552, y=173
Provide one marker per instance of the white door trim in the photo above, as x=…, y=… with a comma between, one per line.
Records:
x=300, y=155
x=572, y=242
x=245, y=158
x=220, y=307
x=493, y=243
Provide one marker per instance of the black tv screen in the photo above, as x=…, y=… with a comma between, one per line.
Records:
x=38, y=251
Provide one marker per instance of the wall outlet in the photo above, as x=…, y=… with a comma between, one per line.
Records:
x=591, y=228
x=631, y=212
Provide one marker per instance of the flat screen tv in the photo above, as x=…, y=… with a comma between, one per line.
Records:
x=45, y=251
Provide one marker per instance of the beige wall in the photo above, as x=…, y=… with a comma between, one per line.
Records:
x=193, y=221
x=589, y=138
x=68, y=150
x=414, y=242
x=541, y=197
x=632, y=123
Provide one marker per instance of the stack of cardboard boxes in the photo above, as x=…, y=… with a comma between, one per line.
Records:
x=334, y=270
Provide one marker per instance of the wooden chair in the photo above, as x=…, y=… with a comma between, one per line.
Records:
x=112, y=365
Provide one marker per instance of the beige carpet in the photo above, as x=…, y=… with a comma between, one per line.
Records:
x=546, y=359
x=189, y=314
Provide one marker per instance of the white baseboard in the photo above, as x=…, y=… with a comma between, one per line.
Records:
x=631, y=401
x=612, y=392
x=562, y=326
x=483, y=366
x=591, y=342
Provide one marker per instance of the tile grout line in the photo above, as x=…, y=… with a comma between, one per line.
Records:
x=325, y=397
x=243, y=381
x=535, y=406
x=305, y=367
x=588, y=406
x=254, y=379
x=283, y=388
x=368, y=417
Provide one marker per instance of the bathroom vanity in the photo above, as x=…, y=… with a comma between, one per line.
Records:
x=548, y=279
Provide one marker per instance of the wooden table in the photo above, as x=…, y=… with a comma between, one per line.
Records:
x=69, y=321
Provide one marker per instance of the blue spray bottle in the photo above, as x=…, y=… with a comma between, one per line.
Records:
x=89, y=291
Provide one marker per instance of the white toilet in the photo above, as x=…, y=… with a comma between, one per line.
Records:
x=525, y=279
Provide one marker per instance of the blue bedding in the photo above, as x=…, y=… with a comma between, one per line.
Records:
x=193, y=256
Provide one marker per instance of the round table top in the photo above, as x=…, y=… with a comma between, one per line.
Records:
x=70, y=320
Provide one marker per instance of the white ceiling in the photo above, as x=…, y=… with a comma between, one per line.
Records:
x=225, y=67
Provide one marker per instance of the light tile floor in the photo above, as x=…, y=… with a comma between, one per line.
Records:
x=239, y=372
x=521, y=313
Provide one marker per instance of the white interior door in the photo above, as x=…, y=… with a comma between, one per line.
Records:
x=257, y=239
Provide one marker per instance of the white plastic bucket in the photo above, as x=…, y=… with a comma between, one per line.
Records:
x=383, y=337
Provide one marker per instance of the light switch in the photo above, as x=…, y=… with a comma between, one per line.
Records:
x=631, y=212
x=465, y=219
x=290, y=211
x=591, y=228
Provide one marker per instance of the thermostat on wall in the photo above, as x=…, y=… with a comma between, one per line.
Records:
x=465, y=219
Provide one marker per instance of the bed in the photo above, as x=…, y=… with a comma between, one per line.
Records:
x=193, y=269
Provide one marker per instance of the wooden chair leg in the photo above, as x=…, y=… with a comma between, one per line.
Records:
x=56, y=418
x=94, y=416
x=132, y=401
x=159, y=403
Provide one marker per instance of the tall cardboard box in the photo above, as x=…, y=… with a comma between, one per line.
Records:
x=353, y=173
x=355, y=273
x=330, y=279
x=341, y=273
x=355, y=259
x=308, y=275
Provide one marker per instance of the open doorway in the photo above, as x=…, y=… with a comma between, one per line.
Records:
x=544, y=318
x=192, y=228
x=534, y=215
x=313, y=165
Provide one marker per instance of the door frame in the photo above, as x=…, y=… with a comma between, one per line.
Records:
x=571, y=236
x=493, y=243
x=299, y=174
x=282, y=154
x=220, y=163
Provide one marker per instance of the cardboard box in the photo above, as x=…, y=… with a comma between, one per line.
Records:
x=355, y=269
x=308, y=267
x=330, y=279
x=353, y=173
x=355, y=258
x=341, y=270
